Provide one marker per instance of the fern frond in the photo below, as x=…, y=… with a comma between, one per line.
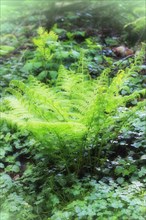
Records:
x=72, y=112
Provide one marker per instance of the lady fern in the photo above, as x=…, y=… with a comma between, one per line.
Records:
x=75, y=108
x=77, y=112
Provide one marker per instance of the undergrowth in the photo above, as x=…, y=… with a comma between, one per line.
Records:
x=74, y=114
x=62, y=136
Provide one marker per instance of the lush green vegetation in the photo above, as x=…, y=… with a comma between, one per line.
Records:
x=73, y=110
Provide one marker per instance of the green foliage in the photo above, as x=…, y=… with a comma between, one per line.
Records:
x=138, y=24
x=82, y=126
x=77, y=112
x=44, y=50
x=15, y=146
x=104, y=201
x=50, y=53
x=5, y=49
x=131, y=142
x=16, y=151
x=15, y=207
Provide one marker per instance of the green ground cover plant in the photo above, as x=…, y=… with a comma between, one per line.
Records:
x=104, y=201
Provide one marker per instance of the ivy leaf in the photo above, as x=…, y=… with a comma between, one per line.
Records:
x=120, y=180
x=2, y=153
x=53, y=74
x=143, y=157
x=42, y=75
x=74, y=54
x=142, y=172
x=136, y=144
x=2, y=165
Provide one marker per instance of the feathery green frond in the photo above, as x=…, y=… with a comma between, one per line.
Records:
x=73, y=111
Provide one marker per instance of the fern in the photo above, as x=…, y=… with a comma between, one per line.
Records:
x=138, y=25
x=67, y=111
x=45, y=39
x=75, y=111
